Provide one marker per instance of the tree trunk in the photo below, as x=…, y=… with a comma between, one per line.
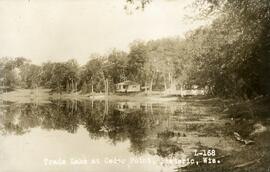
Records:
x=165, y=86
x=181, y=91
x=72, y=85
x=107, y=90
x=145, y=87
x=67, y=87
x=76, y=87
x=172, y=83
x=151, y=86
x=170, y=80
x=106, y=85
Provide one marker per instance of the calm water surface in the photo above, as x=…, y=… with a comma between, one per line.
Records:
x=86, y=136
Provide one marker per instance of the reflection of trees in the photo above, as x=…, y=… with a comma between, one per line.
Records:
x=93, y=118
x=99, y=118
x=132, y=126
x=56, y=116
x=69, y=115
x=156, y=129
x=61, y=116
x=18, y=119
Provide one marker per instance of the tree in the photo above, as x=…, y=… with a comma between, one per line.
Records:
x=92, y=74
x=72, y=75
x=231, y=56
x=30, y=75
x=136, y=60
x=60, y=76
x=235, y=48
x=9, y=71
x=117, y=66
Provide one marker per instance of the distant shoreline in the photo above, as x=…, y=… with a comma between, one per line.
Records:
x=41, y=95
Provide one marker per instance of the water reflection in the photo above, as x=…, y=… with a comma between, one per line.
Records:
x=164, y=130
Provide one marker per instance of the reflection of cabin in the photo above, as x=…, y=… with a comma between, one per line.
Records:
x=128, y=106
x=127, y=87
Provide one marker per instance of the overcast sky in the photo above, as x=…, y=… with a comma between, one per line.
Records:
x=58, y=30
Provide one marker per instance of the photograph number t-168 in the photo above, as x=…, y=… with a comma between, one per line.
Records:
x=134, y=85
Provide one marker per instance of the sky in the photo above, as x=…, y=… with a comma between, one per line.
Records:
x=58, y=30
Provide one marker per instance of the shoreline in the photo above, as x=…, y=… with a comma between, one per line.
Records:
x=44, y=96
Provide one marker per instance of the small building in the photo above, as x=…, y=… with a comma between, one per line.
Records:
x=128, y=87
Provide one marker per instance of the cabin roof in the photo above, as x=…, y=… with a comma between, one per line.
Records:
x=127, y=83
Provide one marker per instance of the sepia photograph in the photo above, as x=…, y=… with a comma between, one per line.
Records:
x=134, y=85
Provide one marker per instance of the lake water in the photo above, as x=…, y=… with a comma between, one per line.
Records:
x=103, y=136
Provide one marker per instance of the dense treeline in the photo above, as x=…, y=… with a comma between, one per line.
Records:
x=153, y=63
x=230, y=57
x=233, y=54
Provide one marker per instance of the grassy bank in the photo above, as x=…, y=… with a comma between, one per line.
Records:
x=27, y=96
x=251, y=121
x=248, y=124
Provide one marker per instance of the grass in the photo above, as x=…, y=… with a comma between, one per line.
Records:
x=26, y=96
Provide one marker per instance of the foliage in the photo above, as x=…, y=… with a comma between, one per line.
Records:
x=9, y=73
x=60, y=76
x=232, y=55
x=30, y=75
x=230, y=58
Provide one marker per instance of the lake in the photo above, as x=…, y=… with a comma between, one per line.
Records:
x=104, y=136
